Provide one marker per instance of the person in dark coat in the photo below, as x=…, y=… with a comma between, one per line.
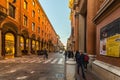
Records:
x=45, y=54
x=80, y=61
x=66, y=54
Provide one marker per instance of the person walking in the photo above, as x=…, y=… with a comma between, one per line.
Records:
x=80, y=61
x=45, y=54
x=66, y=54
x=86, y=61
x=77, y=55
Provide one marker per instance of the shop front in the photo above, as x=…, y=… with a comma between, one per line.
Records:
x=9, y=45
x=24, y=42
x=9, y=40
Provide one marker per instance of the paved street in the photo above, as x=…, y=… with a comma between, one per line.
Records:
x=33, y=68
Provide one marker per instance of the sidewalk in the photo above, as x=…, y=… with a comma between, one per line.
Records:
x=72, y=75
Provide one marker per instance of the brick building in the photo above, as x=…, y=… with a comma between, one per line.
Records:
x=24, y=28
x=102, y=32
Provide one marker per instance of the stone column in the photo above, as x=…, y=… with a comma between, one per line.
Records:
x=35, y=47
x=91, y=28
x=29, y=46
x=81, y=33
x=0, y=43
x=76, y=31
x=18, y=46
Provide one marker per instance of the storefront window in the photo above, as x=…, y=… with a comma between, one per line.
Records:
x=21, y=43
x=9, y=43
x=37, y=46
x=33, y=44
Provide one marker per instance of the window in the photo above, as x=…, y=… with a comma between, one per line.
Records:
x=33, y=13
x=33, y=26
x=25, y=20
x=38, y=10
x=11, y=11
x=33, y=2
x=38, y=19
x=38, y=29
x=25, y=5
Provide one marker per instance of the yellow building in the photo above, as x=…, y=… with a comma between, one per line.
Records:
x=24, y=28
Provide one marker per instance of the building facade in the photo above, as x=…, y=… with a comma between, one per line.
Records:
x=24, y=28
x=102, y=32
x=78, y=24
x=107, y=21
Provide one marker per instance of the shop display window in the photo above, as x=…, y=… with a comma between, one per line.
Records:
x=9, y=43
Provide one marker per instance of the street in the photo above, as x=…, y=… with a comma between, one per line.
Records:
x=33, y=67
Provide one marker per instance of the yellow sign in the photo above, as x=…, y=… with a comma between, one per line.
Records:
x=113, y=46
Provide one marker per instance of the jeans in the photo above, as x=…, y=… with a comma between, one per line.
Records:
x=82, y=69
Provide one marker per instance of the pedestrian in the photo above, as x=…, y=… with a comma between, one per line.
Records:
x=77, y=55
x=45, y=54
x=69, y=54
x=72, y=55
x=81, y=63
x=86, y=61
x=66, y=54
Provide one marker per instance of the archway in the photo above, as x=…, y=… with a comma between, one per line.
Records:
x=24, y=41
x=9, y=40
x=9, y=45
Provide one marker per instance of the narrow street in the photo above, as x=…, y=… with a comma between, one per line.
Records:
x=59, y=39
x=33, y=67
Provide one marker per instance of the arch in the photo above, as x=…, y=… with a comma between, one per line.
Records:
x=25, y=33
x=9, y=43
x=9, y=29
x=33, y=36
x=9, y=26
x=38, y=38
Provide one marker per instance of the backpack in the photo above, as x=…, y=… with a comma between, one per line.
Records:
x=86, y=58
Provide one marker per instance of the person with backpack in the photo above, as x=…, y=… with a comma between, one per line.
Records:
x=86, y=60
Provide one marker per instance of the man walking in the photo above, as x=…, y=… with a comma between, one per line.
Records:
x=81, y=63
x=45, y=54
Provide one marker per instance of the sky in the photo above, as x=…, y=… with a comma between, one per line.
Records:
x=58, y=13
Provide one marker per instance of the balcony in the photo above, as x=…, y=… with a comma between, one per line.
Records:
x=3, y=13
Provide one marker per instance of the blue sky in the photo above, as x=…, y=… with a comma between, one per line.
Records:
x=58, y=14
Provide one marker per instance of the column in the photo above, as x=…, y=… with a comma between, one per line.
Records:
x=76, y=32
x=81, y=33
x=19, y=53
x=29, y=46
x=91, y=28
x=0, y=43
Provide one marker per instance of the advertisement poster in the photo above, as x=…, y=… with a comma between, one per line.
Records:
x=113, y=46
x=110, y=39
x=103, y=46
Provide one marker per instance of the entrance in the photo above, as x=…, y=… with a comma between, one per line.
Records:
x=9, y=45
